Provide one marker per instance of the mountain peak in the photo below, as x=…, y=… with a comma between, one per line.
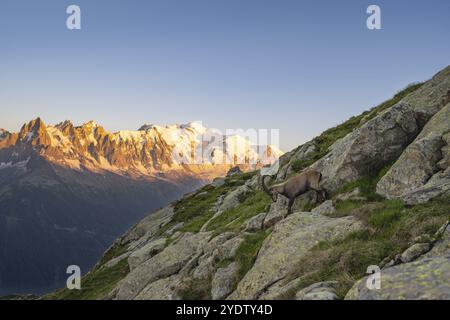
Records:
x=146, y=126
x=64, y=124
x=196, y=125
x=35, y=132
x=90, y=123
x=33, y=126
x=7, y=138
x=37, y=123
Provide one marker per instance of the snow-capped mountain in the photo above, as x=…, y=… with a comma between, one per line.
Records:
x=66, y=192
x=148, y=151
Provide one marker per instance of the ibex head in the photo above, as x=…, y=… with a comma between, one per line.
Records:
x=272, y=191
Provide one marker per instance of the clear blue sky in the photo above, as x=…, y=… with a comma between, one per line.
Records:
x=300, y=66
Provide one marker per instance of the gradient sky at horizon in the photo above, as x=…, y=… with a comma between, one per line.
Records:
x=300, y=66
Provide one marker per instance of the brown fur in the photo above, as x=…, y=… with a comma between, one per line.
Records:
x=295, y=186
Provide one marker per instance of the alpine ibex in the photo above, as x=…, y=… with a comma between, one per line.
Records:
x=295, y=186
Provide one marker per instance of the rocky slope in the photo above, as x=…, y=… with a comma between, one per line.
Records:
x=67, y=192
x=387, y=176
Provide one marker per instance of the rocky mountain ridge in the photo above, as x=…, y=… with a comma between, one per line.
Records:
x=150, y=151
x=387, y=175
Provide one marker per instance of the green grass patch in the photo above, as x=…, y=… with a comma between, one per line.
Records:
x=95, y=285
x=392, y=226
x=243, y=176
x=196, y=204
x=115, y=251
x=367, y=185
x=224, y=263
x=233, y=219
x=198, y=289
x=245, y=258
x=367, y=192
x=345, y=262
x=420, y=219
x=345, y=208
x=390, y=212
x=196, y=209
x=196, y=223
x=248, y=251
x=394, y=100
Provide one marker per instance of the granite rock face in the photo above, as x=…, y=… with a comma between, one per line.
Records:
x=290, y=240
x=422, y=171
x=370, y=147
x=325, y=208
x=383, y=139
x=277, y=212
x=255, y=223
x=427, y=277
x=222, y=283
x=415, y=251
x=235, y=197
x=146, y=252
x=164, y=264
x=297, y=155
x=318, y=291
